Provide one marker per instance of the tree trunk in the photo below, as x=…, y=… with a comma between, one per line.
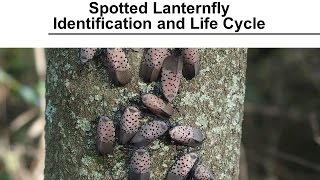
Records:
x=76, y=94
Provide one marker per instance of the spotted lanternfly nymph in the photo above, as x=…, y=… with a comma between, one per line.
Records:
x=157, y=105
x=87, y=54
x=170, y=76
x=181, y=168
x=105, y=135
x=202, y=173
x=129, y=124
x=151, y=64
x=188, y=136
x=149, y=132
x=191, y=63
x=140, y=165
x=119, y=66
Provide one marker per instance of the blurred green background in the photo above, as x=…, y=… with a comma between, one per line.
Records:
x=22, y=73
x=281, y=130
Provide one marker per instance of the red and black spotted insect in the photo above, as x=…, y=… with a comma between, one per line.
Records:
x=118, y=64
x=181, y=169
x=188, y=136
x=87, y=54
x=201, y=172
x=129, y=124
x=140, y=165
x=157, y=105
x=105, y=135
x=149, y=133
x=151, y=64
x=191, y=62
x=170, y=76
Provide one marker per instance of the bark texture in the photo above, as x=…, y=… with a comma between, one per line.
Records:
x=76, y=94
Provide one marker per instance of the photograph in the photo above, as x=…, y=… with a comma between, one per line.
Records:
x=159, y=113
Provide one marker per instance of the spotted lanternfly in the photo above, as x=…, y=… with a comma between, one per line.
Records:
x=119, y=66
x=140, y=165
x=105, y=135
x=151, y=64
x=181, y=168
x=191, y=63
x=202, y=173
x=170, y=76
x=188, y=136
x=149, y=132
x=129, y=124
x=87, y=54
x=157, y=105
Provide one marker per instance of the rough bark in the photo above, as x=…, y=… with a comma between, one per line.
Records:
x=76, y=94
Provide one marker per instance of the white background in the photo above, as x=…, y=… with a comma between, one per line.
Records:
x=27, y=24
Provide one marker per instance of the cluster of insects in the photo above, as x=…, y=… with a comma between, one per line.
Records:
x=168, y=67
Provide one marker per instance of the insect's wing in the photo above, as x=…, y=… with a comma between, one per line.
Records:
x=171, y=176
x=123, y=77
x=167, y=111
x=202, y=172
x=157, y=106
x=136, y=176
x=197, y=136
x=151, y=64
x=191, y=62
x=149, y=132
x=140, y=165
x=87, y=54
x=182, y=167
x=105, y=135
x=129, y=124
x=138, y=140
x=170, y=77
x=117, y=61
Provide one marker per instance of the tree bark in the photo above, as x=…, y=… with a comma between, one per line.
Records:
x=76, y=94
